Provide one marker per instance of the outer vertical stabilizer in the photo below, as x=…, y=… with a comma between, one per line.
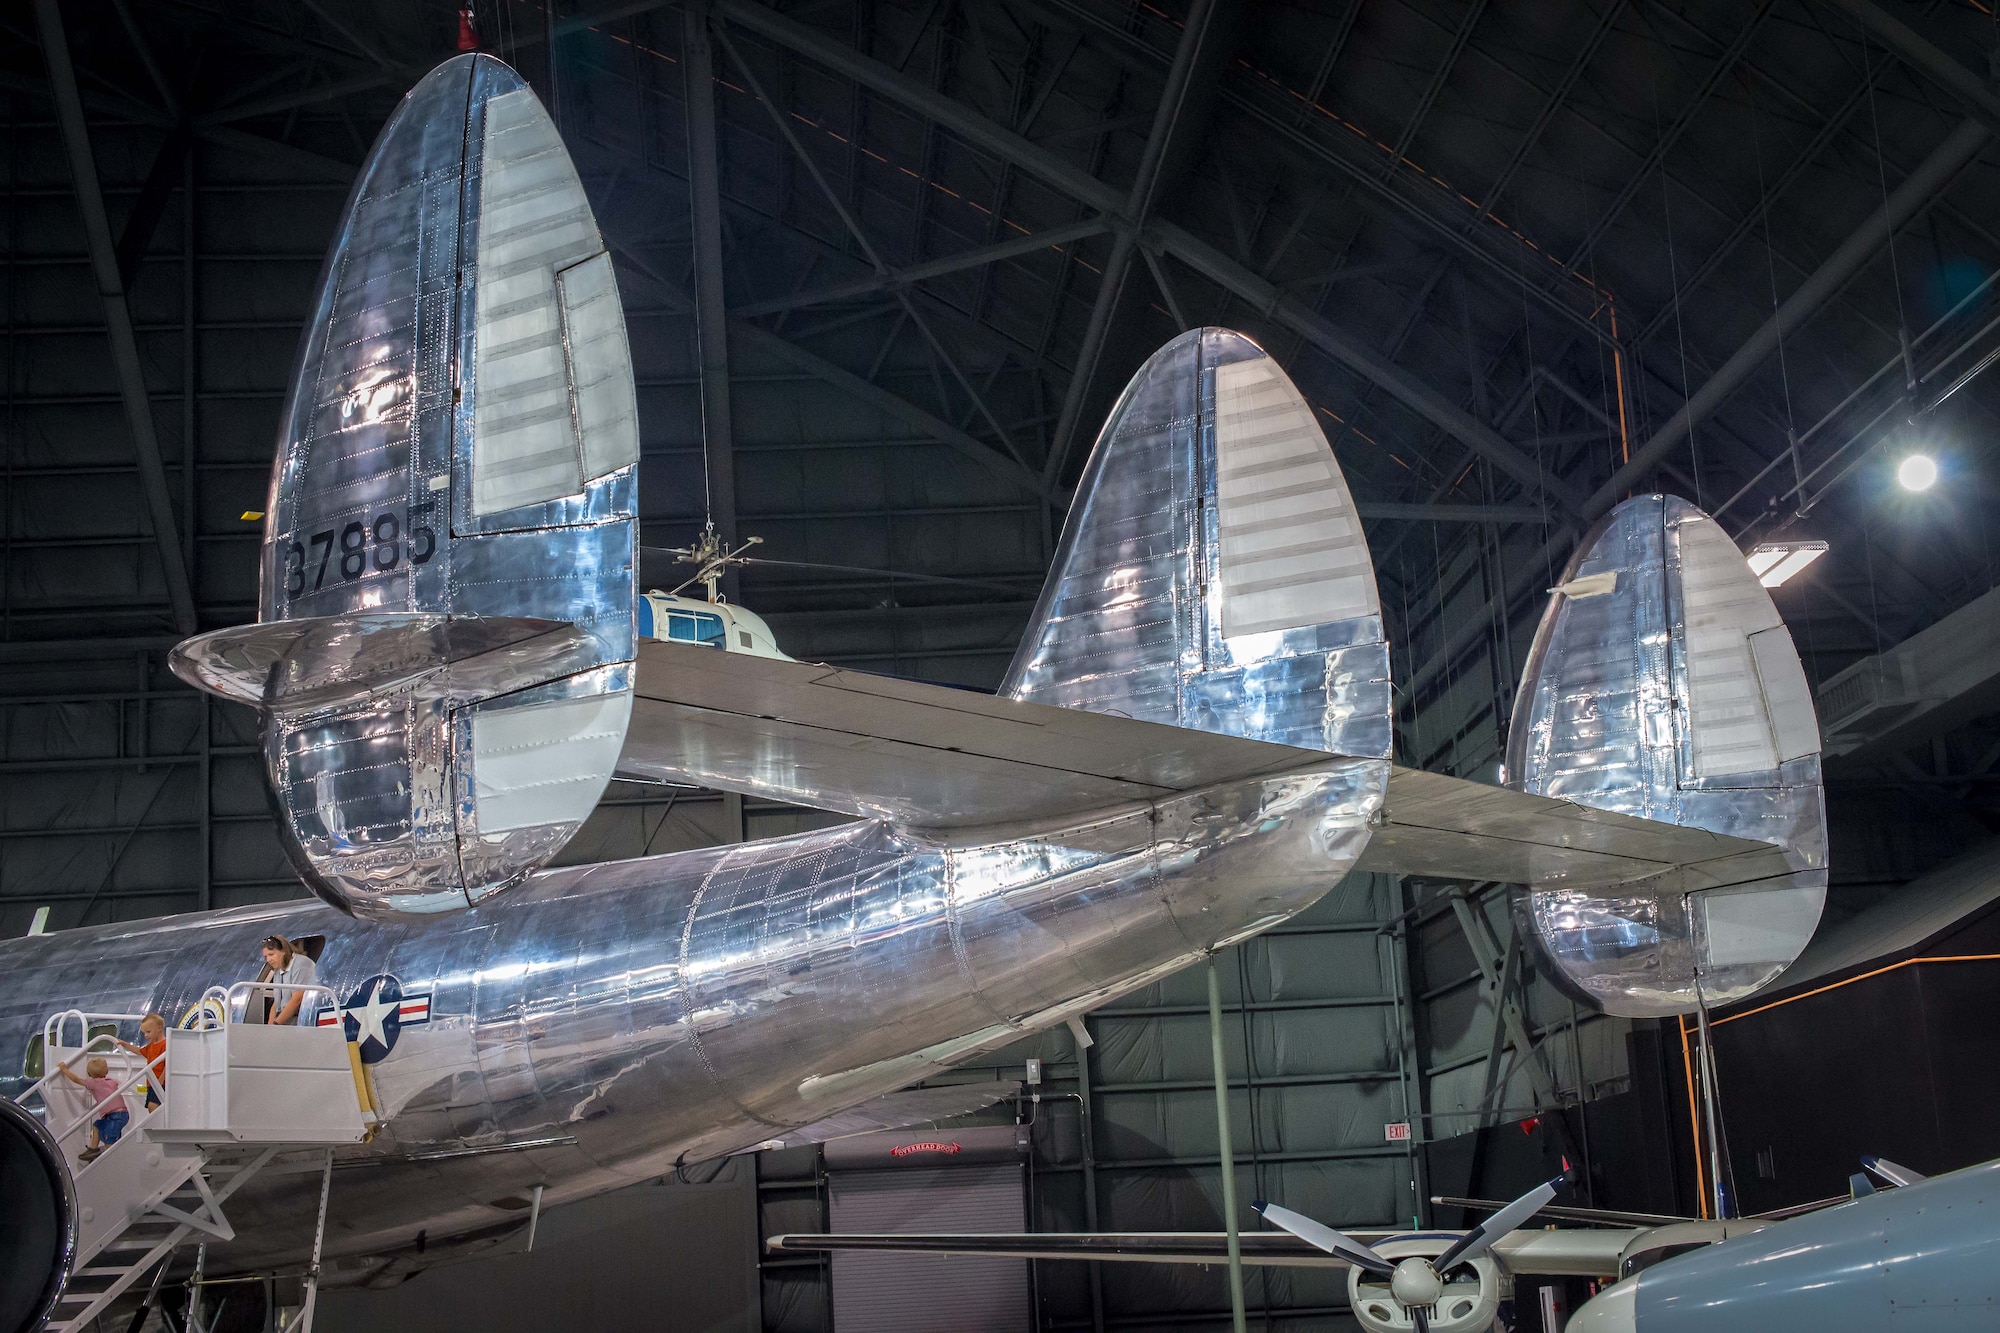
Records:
x=445, y=640
x=1214, y=573
x=1663, y=683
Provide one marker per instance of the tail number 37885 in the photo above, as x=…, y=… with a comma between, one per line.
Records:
x=358, y=549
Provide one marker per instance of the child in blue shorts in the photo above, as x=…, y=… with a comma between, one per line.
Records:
x=112, y=1114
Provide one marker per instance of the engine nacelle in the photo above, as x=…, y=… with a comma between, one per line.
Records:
x=38, y=1217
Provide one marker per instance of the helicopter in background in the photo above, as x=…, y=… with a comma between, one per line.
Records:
x=677, y=617
x=714, y=622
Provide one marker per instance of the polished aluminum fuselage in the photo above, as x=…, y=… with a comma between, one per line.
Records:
x=679, y=1007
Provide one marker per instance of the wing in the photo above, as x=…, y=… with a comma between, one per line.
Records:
x=924, y=755
x=1146, y=1247
x=1453, y=829
x=1551, y=1253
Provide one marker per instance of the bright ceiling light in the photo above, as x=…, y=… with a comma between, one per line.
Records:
x=1918, y=472
x=1775, y=562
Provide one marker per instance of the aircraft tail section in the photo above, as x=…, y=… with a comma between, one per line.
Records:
x=443, y=658
x=1214, y=573
x=1664, y=684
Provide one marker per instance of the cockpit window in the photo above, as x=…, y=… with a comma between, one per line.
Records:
x=1645, y=1259
x=695, y=627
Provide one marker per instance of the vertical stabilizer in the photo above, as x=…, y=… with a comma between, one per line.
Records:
x=1663, y=683
x=1213, y=573
x=444, y=651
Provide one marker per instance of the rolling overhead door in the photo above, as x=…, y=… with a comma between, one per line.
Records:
x=926, y=1293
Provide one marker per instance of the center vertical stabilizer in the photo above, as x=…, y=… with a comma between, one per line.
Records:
x=1214, y=573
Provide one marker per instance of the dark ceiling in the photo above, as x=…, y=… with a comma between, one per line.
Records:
x=1497, y=245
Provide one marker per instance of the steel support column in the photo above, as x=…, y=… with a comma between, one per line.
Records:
x=117, y=314
x=1226, y=1148
x=1409, y=1053
x=1500, y=966
x=711, y=315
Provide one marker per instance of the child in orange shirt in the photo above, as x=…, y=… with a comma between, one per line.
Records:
x=152, y=1031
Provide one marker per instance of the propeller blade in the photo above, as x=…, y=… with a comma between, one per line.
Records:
x=1417, y=1315
x=1895, y=1175
x=1480, y=1239
x=1324, y=1237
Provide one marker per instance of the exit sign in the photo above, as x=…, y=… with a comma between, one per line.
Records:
x=1396, y=1131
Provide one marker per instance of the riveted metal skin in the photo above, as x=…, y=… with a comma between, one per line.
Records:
x=630, y=1016
x=680, y=1007
x=1627, y=699
x=466, y=345
x=1131, y=620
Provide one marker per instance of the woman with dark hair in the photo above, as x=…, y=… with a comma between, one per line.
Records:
x=283, y=962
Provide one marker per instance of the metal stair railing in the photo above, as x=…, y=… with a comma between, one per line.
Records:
x=162, y=1184
x=193, y=1210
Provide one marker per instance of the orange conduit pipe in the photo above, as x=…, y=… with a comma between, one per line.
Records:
x=1687, y=1055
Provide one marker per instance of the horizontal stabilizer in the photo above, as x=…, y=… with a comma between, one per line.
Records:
x=898, y=1110
x=1573, y=1252
x=926, y=756
x=314, y=663
x=1449, y=828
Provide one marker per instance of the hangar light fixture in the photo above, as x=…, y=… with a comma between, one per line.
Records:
x=1917, y=472
x=1775, y=562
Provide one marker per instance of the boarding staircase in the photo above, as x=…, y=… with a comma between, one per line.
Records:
x=236, y=1096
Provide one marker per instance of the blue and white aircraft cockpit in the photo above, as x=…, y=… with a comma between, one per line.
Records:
x=670, y=618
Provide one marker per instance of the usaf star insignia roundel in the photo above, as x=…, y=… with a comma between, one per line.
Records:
x=375, y=1013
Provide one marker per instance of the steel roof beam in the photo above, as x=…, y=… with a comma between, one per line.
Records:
x=1796, y=167
x=1971, y=91
x=1655, y=160
x=1445, y=513
x=1446, y=230
x=117, y=313
x=1138, y=203
x=1557, y=98
x=1931, y=177
x=930, y=268
x=1934, y=174
x=1197, y=254
x=817, y=367
x=874, y=256
x=1435, y=88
